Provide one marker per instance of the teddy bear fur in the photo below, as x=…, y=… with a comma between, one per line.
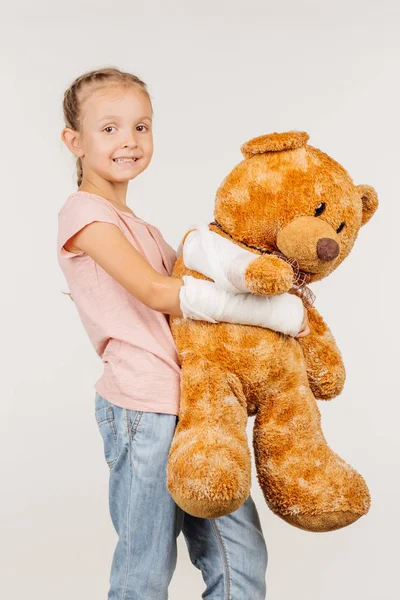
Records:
x=290, y=197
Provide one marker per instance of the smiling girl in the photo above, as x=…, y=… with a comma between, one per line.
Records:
x=118, y=268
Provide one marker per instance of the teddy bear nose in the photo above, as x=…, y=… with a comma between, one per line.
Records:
x=327, y=249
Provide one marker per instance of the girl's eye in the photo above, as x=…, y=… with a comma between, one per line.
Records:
x=320, y=209
x=339, y=229
x=138, y=128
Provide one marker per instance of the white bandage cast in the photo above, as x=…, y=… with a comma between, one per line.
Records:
x=218, y=258
x=203, y=300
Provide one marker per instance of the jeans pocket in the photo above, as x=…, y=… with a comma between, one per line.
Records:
x=106, y=422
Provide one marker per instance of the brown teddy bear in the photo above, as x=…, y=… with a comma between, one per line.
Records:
x=299, y=210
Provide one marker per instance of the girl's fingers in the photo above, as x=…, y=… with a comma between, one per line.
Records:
x=304, y=332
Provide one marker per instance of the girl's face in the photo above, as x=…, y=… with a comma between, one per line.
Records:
x=116, y=123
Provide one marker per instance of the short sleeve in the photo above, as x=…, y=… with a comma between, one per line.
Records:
x=78, y=212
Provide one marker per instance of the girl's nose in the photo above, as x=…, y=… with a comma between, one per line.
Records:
x=130, y=141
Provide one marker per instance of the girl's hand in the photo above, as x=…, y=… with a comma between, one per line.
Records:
x=305, y=327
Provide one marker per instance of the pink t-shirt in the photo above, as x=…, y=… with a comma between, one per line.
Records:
x=141, y=365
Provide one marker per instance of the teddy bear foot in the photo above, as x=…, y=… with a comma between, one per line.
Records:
x=323, y=522
x=204, y=507
x=330, y=497
x=325, y=508
x=206, y=479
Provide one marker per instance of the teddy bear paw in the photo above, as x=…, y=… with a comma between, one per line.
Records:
x=269, y=275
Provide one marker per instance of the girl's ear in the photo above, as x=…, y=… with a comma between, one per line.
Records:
x=71, y=139
x=369, y=199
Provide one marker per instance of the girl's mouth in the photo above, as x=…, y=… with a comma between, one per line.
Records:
x=122, y=161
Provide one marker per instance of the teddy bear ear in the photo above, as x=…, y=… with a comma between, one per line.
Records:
x=369, y=199
x=274, y=142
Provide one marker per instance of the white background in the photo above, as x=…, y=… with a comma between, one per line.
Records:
x=219, y=73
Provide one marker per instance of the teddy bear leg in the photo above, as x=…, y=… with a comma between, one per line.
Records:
x=302, y=479
x=209, y=464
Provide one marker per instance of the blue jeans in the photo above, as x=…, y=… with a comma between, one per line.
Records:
x=230, y=551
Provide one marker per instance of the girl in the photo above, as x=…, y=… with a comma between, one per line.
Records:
x=118, y=269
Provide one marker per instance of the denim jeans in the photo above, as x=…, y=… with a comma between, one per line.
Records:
x=230, y=551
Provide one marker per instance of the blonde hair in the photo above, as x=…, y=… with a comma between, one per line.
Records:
x=80, y=89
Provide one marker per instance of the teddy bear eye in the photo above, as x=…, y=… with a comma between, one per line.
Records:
x=339, y=229
x=320, y=209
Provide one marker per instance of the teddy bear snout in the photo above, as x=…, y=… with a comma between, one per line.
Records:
x=311, y=241
x=327, y=249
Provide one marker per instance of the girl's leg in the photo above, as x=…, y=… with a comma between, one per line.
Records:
x=230, y=552
x=136, y=447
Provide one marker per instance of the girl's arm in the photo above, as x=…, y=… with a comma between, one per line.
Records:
x=109, y=248
x=201, y=300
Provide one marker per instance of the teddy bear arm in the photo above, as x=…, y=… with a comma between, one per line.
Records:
x=325, y=368
x=233, y=267
x=269, y=275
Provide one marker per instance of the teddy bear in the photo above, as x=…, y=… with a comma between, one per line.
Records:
x=299, y=212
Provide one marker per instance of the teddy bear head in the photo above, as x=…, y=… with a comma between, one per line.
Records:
x=290, y=197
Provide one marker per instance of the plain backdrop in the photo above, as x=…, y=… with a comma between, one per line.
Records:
x=219, y=73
